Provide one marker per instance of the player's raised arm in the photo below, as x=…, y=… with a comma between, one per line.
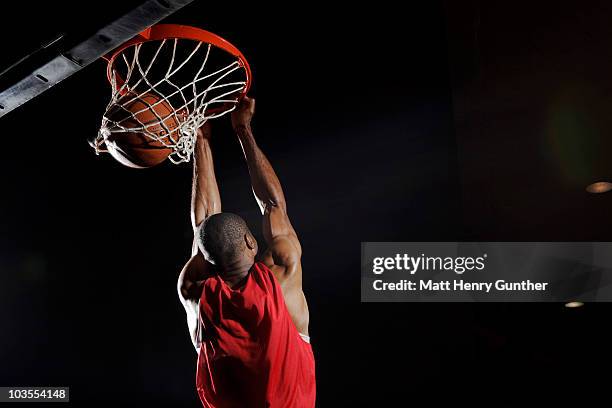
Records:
x=284, y=251
x=205, y=201
x=277, y=230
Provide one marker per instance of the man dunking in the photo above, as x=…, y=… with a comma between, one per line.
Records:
x=248, y=319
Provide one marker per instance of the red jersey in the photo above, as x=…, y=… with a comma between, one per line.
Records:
x=251, y=354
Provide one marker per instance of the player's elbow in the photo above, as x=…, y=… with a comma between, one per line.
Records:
x=275, y=206
x=281, y=203
x=275, y=200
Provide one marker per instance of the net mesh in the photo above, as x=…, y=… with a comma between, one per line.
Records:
x=200, y=82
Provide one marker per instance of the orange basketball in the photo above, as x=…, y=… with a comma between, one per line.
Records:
x=135, y=148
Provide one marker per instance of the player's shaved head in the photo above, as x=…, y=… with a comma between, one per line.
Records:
x=223, y=238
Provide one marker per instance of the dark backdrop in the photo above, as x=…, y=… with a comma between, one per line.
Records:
x=355, y=113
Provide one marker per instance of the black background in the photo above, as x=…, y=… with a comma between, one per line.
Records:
x=369, y=125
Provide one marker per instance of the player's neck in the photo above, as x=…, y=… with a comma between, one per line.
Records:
x=233, y=274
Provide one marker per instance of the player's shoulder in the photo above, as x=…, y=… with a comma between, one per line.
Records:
x=282, y=262
x=285, y=250
x=195, y=266
x=195, y=271
x=276, y=266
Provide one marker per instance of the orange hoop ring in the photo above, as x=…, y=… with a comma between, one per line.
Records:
x=161, y=32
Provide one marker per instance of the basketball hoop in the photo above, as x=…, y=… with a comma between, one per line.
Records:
x=198, y=74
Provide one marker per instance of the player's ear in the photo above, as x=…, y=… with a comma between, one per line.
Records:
x=250, y=241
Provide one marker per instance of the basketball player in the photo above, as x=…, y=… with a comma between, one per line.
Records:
x=248, y=318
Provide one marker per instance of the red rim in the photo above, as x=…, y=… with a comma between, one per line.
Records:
x=171, y=31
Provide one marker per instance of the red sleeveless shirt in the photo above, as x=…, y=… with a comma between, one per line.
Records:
x=251, y=354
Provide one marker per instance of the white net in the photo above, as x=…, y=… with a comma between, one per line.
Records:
x=191, y=88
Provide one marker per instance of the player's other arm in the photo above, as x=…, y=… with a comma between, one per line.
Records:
x=205, y=201
x=266, y=186
x=205, y=198
x=284, y=249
